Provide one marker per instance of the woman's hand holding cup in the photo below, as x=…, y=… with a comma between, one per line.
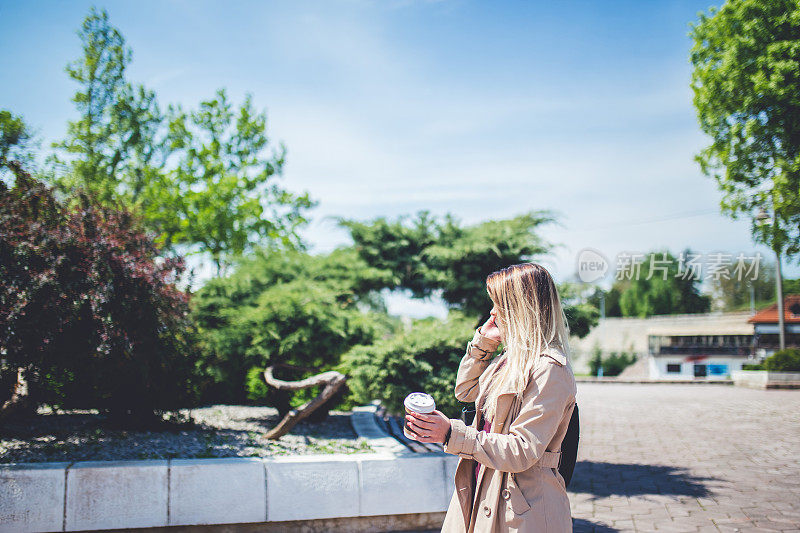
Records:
x=428, y=427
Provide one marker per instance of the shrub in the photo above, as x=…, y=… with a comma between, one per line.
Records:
x=424, y=359
x=283, y=307
x=257, y=388
x=613, y=365
x=88, y=307
x=787, y=360
x=596, y=361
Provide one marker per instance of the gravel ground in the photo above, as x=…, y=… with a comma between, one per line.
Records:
x=216, y=431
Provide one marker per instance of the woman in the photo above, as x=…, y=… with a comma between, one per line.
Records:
x=507, y=476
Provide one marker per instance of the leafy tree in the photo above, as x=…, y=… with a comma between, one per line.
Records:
x=610, y=298
x=428, y=256
x=431, y=256
x=202, y=180
x=109, y=148
x=792, y=286
x=459, y=268
x=17, y=140
x=596, y=361
x=582, y=314
x=667, y=291
x=746, y=83
x=227, y=199
x=398, y=247
x=731, y=293
x=786, y=360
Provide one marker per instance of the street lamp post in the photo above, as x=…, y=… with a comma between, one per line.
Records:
x=764, y=217
x=781, y=325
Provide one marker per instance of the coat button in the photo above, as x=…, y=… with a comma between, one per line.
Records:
x=486, y=510
x=506, y=494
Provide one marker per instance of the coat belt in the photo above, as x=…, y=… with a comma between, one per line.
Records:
x=550, y=460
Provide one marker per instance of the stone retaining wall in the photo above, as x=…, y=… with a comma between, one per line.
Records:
x=764, y=379
x=97, y=495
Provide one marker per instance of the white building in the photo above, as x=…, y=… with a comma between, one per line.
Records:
x=704, y=346
x=766, y=326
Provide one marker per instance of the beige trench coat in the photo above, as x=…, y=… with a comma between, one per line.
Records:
x=519, y=488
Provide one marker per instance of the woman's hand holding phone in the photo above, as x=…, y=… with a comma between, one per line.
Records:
x=489, y=329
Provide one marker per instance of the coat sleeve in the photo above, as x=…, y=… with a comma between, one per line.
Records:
x=529, y=433
x=472, y=366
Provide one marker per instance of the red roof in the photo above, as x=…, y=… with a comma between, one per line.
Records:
x=769, y=315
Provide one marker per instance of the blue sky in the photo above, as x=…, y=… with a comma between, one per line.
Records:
x=481, y=109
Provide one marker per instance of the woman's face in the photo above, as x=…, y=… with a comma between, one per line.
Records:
x=493, y=314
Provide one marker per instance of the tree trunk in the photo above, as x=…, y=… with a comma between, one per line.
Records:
x=20, y=404
x=332, y=380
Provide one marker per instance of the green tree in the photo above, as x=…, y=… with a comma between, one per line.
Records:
x=597, y=359
x=746, y=83
x=109, y=148
x=398, y=247
x=610, y=298
x=787, y=360
x=17, y=141
x=731, y=292
x=653, y=291
x=203, y=180
x=612, y=365
x=459, y=268
x=226, y=199
x=429, y=256
x=582, y=314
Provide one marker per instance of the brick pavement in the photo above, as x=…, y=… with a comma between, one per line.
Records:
x=686, y=458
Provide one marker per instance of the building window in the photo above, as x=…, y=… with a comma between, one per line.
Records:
x=674, y=368
x=717, y=370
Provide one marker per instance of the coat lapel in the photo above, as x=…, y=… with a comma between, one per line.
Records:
x=507, y=410
x=504, y=402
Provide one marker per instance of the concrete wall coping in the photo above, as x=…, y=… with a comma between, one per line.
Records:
x=94, y=495
x=766, y=379
x=107, y=495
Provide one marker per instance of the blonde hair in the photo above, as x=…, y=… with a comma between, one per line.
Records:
x=531, y=318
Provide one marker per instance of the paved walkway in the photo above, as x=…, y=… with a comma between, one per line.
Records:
x=686, y=458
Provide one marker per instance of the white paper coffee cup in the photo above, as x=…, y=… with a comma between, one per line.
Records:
x=417, y=402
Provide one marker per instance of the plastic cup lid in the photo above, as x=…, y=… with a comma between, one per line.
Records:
x=420, y=402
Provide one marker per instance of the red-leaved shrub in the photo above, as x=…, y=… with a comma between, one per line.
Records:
x=88, y=307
